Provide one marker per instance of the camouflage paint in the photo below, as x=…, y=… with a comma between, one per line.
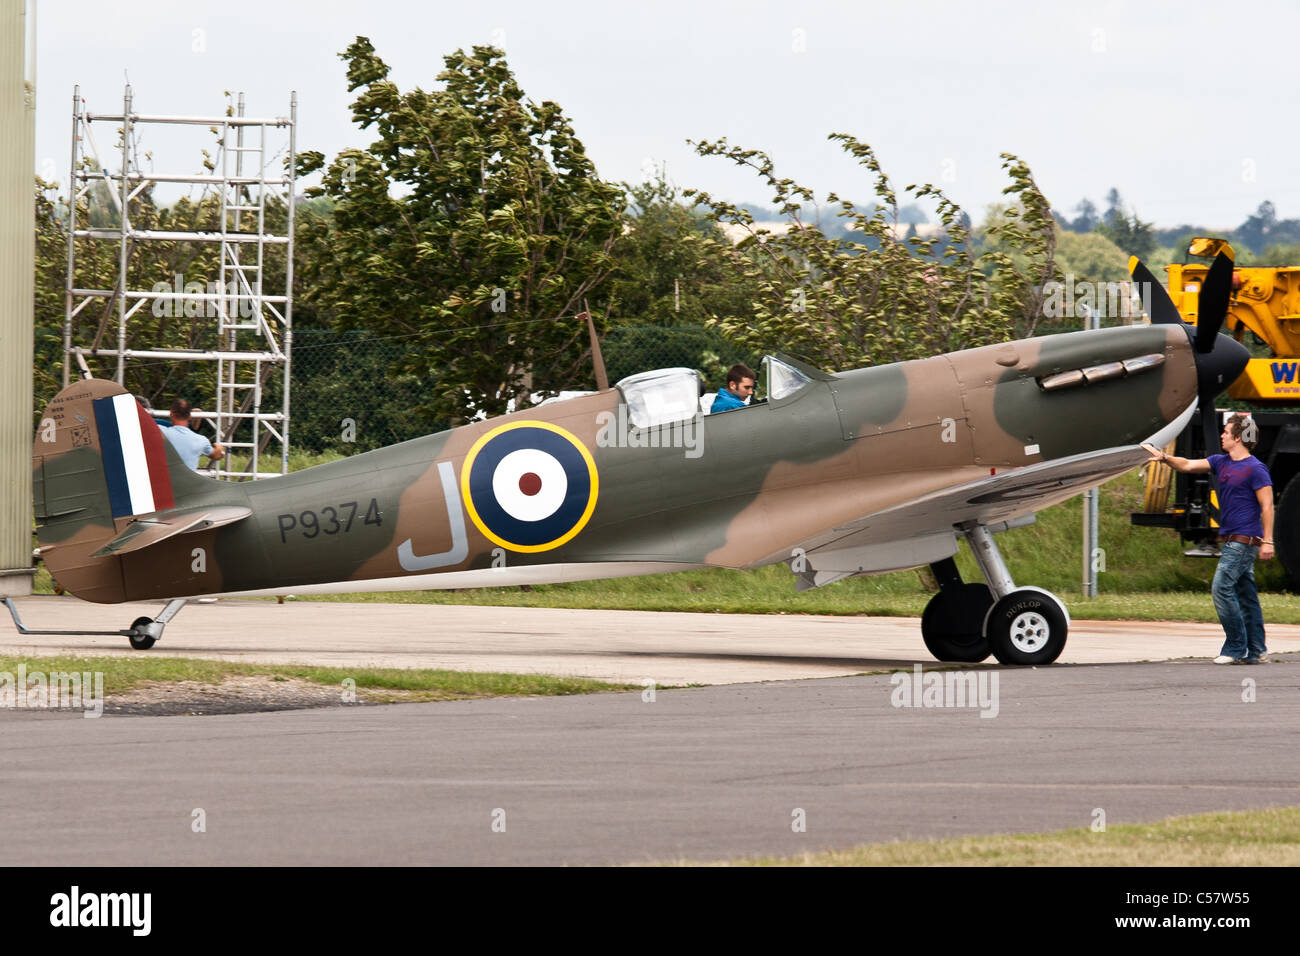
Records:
x=778, y=475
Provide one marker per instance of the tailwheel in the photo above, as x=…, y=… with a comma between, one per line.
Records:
x=140, y=638
x=952, y=623
x=1027, y=627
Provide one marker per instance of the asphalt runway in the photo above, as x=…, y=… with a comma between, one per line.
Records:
x=699, y=773
x=633, y=646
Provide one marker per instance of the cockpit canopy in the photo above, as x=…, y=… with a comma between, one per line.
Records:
x=669, y=395
x=782, y=379
x=662, y=396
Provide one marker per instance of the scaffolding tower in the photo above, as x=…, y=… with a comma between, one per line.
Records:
x=251, y=339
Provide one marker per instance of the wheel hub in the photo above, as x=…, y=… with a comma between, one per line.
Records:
x=1029, y=631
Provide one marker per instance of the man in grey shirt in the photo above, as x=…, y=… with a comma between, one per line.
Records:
x=189, y=444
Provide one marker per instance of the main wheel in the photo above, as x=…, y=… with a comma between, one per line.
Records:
x=1026, y=627
x=952, y=624
x=139, y=640
x=1286, y=531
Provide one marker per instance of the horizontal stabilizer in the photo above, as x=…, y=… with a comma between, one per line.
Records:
x=149, y=529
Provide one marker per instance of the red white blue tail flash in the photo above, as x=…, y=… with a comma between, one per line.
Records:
x=135, y=460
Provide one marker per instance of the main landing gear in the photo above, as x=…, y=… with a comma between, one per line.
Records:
x=967, y=622
x=143, y=633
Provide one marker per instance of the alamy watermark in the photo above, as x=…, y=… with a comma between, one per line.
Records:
x=946, y=689
x=58, y=690
x=616, y=431
x=197, y=300
x=1107, y=300
x=76, y=908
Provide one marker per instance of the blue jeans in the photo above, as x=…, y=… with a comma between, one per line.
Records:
x=1237, y=602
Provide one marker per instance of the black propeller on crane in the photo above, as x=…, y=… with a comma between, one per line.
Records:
x=1219, y=359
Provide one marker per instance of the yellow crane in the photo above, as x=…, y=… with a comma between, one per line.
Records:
x=1264, y=315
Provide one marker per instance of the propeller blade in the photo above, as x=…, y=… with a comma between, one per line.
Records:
x=1216, y=292
x=1210, y=426
x=1159, y=305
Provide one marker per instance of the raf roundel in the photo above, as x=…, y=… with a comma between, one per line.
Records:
x=529, y=486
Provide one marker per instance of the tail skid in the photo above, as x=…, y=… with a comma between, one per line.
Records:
x=143, y=633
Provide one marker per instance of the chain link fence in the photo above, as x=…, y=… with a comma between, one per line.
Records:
x=346, y=397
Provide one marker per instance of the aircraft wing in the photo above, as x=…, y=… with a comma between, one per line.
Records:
x=921, y=531
x=149, y=529
x=1003, y=496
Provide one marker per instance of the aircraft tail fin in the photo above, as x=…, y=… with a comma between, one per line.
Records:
x=99, y=461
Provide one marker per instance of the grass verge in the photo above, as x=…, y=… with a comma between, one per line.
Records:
x=122, y=674
x=1250, y=838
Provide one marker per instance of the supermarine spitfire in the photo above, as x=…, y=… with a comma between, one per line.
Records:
x=857, y=472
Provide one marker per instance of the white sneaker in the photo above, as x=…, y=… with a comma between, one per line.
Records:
x=1224, y=659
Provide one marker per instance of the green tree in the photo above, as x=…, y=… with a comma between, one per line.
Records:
x=1283, y=254
x=1025, y=260
x=1087, y=219
x=51, y=268
x=663, y=274
x=1131, y=234
x=1265, y=229
x=474, y=225
x=878, y=295
x=1090, y=257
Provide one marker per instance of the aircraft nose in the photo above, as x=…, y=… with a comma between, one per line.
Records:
x=1219, y=368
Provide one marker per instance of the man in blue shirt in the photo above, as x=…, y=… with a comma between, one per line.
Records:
x=738, y=390
x=1245, y=530
x=188, y=443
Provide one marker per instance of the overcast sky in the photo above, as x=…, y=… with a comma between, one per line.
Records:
x=1187, y=108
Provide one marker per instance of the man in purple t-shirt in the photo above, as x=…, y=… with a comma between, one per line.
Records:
x=1245, y=530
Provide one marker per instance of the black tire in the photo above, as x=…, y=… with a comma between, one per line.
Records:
x=952, y=624
x=139, y=640
x=1286, y=531
x=1026, y=628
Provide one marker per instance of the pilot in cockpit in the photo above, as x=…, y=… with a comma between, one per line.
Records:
x=738, y=390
